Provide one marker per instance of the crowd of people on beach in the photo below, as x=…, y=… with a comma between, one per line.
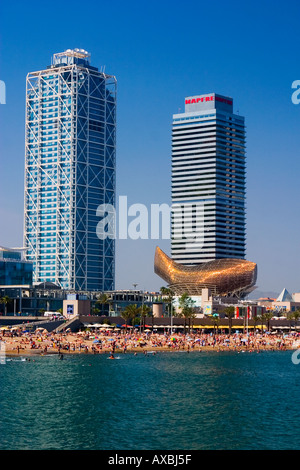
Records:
x=40, y=341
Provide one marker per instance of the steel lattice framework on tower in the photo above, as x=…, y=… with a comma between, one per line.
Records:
x=69, y=171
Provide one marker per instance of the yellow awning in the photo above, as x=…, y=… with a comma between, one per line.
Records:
x=238, y=327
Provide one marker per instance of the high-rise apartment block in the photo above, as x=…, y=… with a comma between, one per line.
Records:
x=69, y=172
x=208, y=181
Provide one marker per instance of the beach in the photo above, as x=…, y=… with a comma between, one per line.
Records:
x=41, y=342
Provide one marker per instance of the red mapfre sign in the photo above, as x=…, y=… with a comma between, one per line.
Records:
x=204, y=99
x=197, y=100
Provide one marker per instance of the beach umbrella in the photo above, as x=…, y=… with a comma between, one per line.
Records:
x=147, y=331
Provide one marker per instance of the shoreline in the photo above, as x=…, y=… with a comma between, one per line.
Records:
x=144, y=351
x=87, y=343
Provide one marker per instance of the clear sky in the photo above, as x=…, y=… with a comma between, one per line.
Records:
x=161, y=52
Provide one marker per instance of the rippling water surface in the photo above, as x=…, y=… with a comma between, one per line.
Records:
x=170, y=401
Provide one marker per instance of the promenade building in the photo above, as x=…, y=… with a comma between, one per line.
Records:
x=284, y=303
x=208, y=181
x=69, y=171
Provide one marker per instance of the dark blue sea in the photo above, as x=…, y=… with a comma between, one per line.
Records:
x=171, y=401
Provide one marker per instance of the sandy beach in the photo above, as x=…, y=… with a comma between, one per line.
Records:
x=42, y=342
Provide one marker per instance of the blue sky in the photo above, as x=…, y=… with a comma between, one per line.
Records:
x=160, y=52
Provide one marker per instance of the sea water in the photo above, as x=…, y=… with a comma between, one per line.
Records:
x=170, y=400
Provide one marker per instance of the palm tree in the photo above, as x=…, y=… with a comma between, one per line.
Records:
x=130, y=312
x=261, y=319
x=214, y=322
x=268, y=317
x=290, y=316
x=167, y=297
x=126, y=315
x=255, y=321
x=5, y=301
x=229, y=313
x=186, y=305
x=144, y=312
x=296, y=316
x=95, y=311
x=104, y=299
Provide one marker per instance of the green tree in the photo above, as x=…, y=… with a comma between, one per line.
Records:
x=255, y=321
x=293, y=316
x=296, y=316
x=144, y=311
x=5, y=301
x=261, y=320
x=168, y=298
x=104, y=299
x=130, y=312
x=216, y=322
x=187, y=309
x=268, y=318
x=229, y=313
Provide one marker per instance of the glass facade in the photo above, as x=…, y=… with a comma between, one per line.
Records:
x=14, y=271
x=69, y=172
x=208, y=181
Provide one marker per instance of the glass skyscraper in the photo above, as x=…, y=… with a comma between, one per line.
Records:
x=208, y=181
x=69, y=172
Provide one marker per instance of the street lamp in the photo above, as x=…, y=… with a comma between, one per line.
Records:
x=171, y=318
